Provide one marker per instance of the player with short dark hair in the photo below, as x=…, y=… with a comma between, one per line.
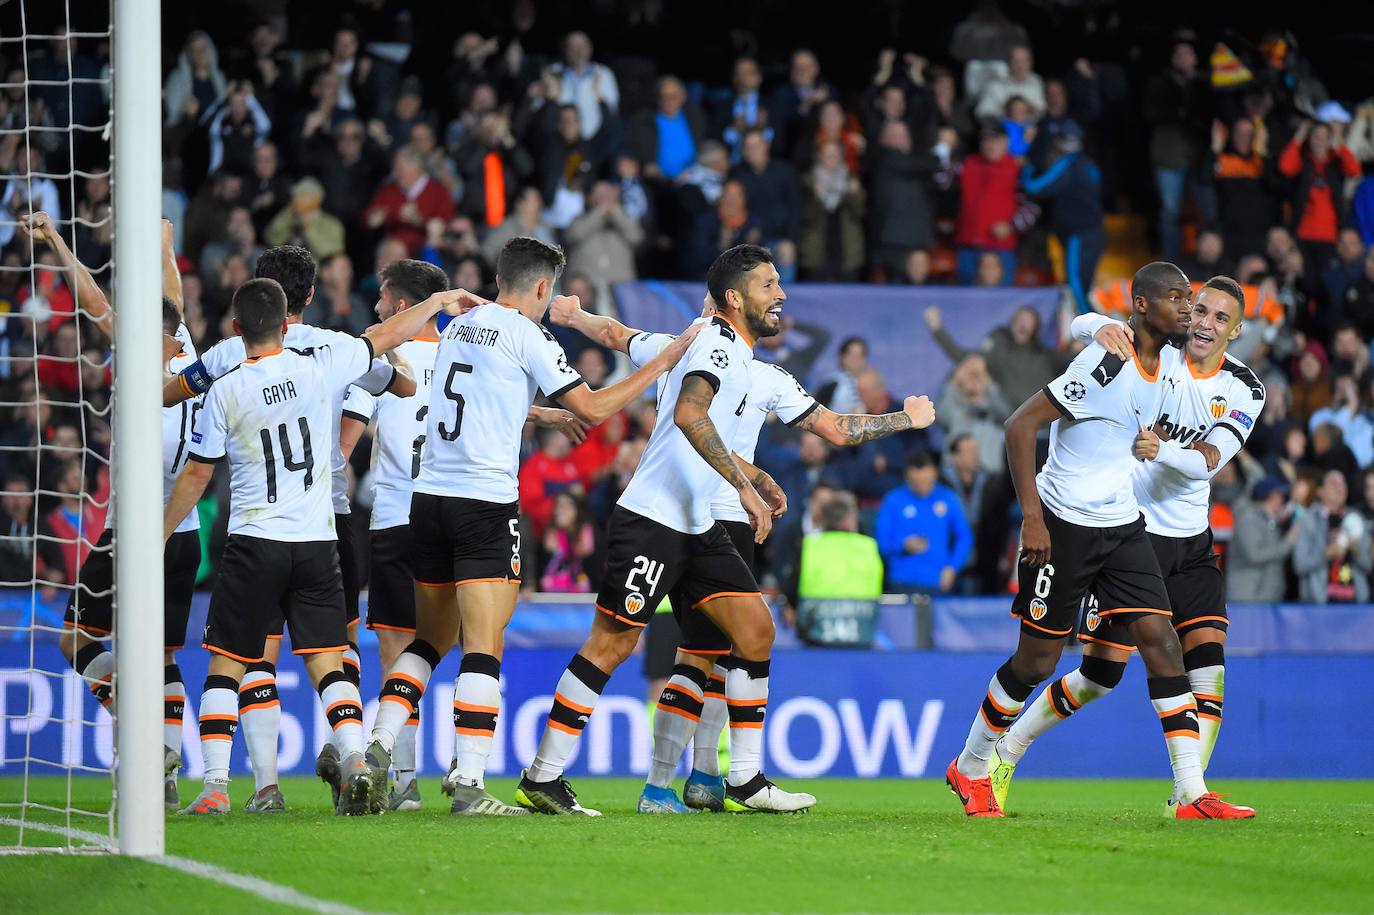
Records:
x=1083, y=528
x=464, y=513
x=1202, y=425
x=273, y=418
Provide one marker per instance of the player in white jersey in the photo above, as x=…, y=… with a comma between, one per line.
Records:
x=293, y=267
x=1083, y=528
x=464, y=514
x=273, y=418
x=693, y=701
x=1203, y=423
x=89, y=618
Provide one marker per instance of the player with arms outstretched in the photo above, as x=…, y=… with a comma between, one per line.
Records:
x=1202, y=425
x=271, y=417
x=1083, y=528
x=693, y=702
x=464, y=514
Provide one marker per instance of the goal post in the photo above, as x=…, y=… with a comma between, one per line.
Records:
x=137, y=186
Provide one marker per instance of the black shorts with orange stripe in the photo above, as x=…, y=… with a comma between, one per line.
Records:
x=699, y=634
x=90, y=607
x=391, y=582
x=462, y=540
x=262, y=580
x=1193, y=580
x=1117, y=563
x=646, y=560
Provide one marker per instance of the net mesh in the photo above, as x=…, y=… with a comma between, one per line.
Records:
x=56, y=742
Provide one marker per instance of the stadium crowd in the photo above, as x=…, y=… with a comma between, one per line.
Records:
x=979, y=168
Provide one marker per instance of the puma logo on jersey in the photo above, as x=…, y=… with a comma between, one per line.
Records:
x=276, y=393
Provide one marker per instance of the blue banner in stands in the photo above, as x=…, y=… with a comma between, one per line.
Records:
x=832, y=713
x=888, y=317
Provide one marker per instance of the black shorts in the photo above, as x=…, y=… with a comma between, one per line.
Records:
x=90, y=607
x=462, y=540
x=1118, y=563
x=1196, y=588
x=348, y=565
x=699, y=634
x=259, y=580
x=646, y=560
x=391, y=586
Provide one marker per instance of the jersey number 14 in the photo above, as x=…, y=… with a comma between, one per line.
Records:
x=269, y=456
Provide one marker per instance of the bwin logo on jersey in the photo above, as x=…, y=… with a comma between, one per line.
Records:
x=1038, y=609
x=634, y=603
x=1218, y=407
x=719, y=358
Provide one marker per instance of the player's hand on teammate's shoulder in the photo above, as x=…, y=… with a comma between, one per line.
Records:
x=675, y=350
x=920, y=409
x=1116, y=338
x=458, y=301
x=1210, y=452
x=1146, y=445
x=563, y=310
x=1035, y=541
x=565, y=421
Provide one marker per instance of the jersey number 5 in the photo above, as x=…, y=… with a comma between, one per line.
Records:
x=449, y=435
x=269, y=457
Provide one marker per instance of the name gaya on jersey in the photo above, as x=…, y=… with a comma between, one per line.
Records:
x=1104, y=402
x=224, y=356
x=274, y=417
x=489, y=365
x=1222, y=409
x=674, y=485
x=399, y=441
x=772, y=389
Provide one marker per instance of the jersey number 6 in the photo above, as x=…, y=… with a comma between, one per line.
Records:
x=449, y=435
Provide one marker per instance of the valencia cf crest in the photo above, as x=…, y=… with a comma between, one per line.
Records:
x=1038, y=609
x=515, y=565
x=1093, y=619
x=634, y=602
x=1218, y=407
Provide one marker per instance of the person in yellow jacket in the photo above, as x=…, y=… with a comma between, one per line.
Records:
x=840, y=579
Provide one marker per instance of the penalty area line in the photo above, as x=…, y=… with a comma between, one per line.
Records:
x=265, y=889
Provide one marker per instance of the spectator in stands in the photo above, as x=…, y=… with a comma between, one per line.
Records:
x=841, y=392
x=74, y=521
x=440, y=167
x=971, y=405
x=987, y=205
x=194, y=83
x=1331, y=555
x=922, y=533
x=1330, y=452
x=547, y=473
x=1311, y=385
x=25, y=535
x=795, y=100
x=665, y=140
x=349, y=168
x=1209, y=259
x=335, y=304
x=1249, y=199
x=833, y=125
x=839, y=578
x=745, y=109
x=1019, y=80
x=1344, y=413
x=304, y=222
x=526, y=218
x=569, y=161
x=578, y=81
x=1256, y=560
x=1358, y=305
x=239, y=238
x=1318, y=162
x=1072, y=184
x=918, y=267
x=493, y=167
x=1349, y=353
x=359, y=84
x=236, y=124
x=831, y=244
x=1178, y=110
x=602, y=241
x=901, y=213
x=407, y=201
x=771, y=187
x=1020, y=364
x=266, y=189
x=568, y=546
x=963, y=470
x=1345, y=268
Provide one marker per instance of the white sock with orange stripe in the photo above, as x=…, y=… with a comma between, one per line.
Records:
x=343, y=709
x=173, y=706
x=404, y=753
x=95, y=664
x=1005, y=697
x=1206, y=665
x=746, y=700
x=675, y=720
x=219, y=719
x=260, y=721
x=1094, y=678
x=573, y=701
x=476, y=704
x=1173, y=701
x=404, y=688
x=714, y=715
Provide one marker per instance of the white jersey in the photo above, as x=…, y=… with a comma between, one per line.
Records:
x=273, y=417
x=772, y=389
x=674, y=485
x=488, y=366
x=400, y=436
x=225, y=355
x=1105, y=402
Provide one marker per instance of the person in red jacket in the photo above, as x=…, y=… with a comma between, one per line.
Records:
x=987, y=203
x=548, y=472
x=1319, y=162
x=407, y=201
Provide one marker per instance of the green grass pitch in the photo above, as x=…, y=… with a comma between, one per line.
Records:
x=881, y=845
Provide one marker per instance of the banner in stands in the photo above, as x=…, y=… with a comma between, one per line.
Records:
x=832, y=713
x=888, y=317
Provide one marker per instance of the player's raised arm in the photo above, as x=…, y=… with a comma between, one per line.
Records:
x=171, y=273
x=89, y=296
x=403, y=325
x=597, y=406
x=1021, y=429
x=692, y=416
x=856, y=428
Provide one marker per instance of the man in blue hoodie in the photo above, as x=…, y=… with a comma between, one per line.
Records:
x=922, y=533
x=1071, y=185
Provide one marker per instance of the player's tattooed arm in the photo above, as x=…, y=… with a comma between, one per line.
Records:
x=693, y=418
x=856, y=428
x=764, y=485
